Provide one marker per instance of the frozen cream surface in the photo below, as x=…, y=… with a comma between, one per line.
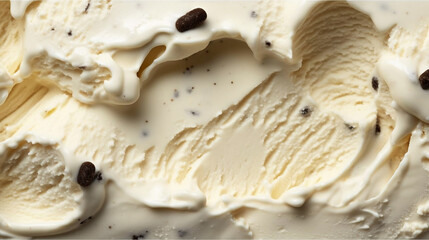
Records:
x=271, y=119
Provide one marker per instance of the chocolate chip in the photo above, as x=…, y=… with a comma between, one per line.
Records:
x=268, y=44
x=306, y=111
x=374, y=83
x=86, y=174
x=424, y=80
x=70, y=33
x=191, y=19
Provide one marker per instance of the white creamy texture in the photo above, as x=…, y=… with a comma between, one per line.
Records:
x=260, y=123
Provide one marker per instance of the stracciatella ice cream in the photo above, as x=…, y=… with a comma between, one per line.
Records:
x=214, y=119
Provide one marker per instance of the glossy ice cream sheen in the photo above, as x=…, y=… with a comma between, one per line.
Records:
x=260, y=123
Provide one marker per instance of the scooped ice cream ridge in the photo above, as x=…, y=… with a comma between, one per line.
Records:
x=214, y=119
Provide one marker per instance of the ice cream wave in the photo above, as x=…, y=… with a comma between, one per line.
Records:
x=314, y=132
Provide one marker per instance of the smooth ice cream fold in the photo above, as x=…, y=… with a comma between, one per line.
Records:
x=272, y=119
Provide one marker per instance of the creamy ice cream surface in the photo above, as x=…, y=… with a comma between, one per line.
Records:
x=239, y=119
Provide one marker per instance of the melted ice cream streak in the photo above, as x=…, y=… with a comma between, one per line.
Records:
x=260, y=123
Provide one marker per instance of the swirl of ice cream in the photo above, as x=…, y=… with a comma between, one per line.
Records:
x=270, y=119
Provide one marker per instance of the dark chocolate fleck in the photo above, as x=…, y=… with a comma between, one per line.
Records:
x=98, y=176
x=424, y=80
x=191, y=19
x=70, y=33
x=232, y=82
x=82, y=67
x=374, y=83
x=306, y=111
x=52, y=29
x=146, y=121
x=87, y=7
x=140, y=236
x=110, y=227
x=214, y=84
x=194, y=113
x=349, y=126
x=377, y=127
x=253, y=14
x=86, y=174
x=267, y=43
x=182, y=233
x=189, y=90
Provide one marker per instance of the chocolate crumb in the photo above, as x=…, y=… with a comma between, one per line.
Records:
x=86, y=174
x=110, y=227
x=375, y=83
x=70, y=33
x=377, y=127
x=98, y=176
x=171, y=100
x=140, y=236
x=214, y=84
x=424, y=80
x=267, y=44
x=87, y=7
x=253, y=14
x=349, y=126
x=182, y=233
x=232, y=82
x=191, y=19
x=194, y=113
x=52, y=29
x=146, y=121
x=306, y=111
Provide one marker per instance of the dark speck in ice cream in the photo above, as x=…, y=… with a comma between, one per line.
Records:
x=349, y=126
x=176, y=93
x=70, y=33
x=194, y=113
x=424, y=80
x=377, y=127
x=253, y=14
x=87, y=7
x=182, y=233
x=145, y=133
x=268, y=44
x=306, y=111
x=374, y=83
x=140, y=236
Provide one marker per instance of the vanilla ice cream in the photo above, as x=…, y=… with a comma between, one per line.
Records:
x=214, y=119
